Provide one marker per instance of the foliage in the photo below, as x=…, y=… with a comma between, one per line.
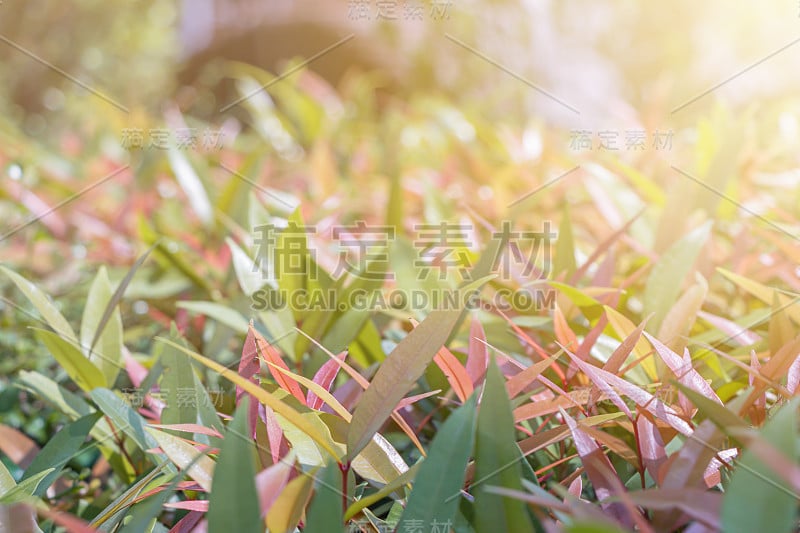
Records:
x=652, y=386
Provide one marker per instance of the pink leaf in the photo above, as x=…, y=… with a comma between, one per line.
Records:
x=271, y=481
x=595, y=375
x=189, y=505
x=478, y=353
x=277, y=442
x=651, y=445
x=646, y=400
x=576, y=487
x=324, y=377
x=742, y=336
x=249, y=367
x=136, y=371
x=793, y=377
x=686, y=374
x=405, y=402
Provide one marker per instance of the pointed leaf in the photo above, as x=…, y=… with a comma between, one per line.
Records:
x=441, y=476
x=497, y=458
x=233, y=502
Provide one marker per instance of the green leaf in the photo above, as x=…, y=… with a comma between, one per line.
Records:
x=565, y=246
x=723, y=417
x=271, y=400
x=198, y=466
x=178, y=385
x=59, y=450
x=25, y=488
x=78, y=367
x=124, y=417
x=664, y=283
x=325, y=511
x=221, y=313
x=755, y=498
x=65, y=401
x=250, y=276
x=435, y=495
x=233, y=504
x=398, y=373
x=6, y=480
x=111, y=308
x=42, y=303
x=497, y=458
x=191, y=185
x=103, y=347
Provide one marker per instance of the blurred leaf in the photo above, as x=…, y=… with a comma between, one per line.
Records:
x=768, y=295
x=59, y=450
x=221, y=313
x=478, y=352
x=25, y=489
x=249, y=275
x=103, y=347
x=565, y=246
x=43, y=304
x=111, y=310
x=191, y=185
x=271, y=355
x=754, y=499
x=665, y=280
x=86, y=375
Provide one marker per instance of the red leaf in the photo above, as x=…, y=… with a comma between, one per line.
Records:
x=405, y=402
x=622, y=352
x=277, y=442
x=136, y=371
x=699, y=504
x=523, y=379
x=455, y=373
x=271, y=354
x=324, y=377
x=249, y=367
x=187, y=523
x=598, y=468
